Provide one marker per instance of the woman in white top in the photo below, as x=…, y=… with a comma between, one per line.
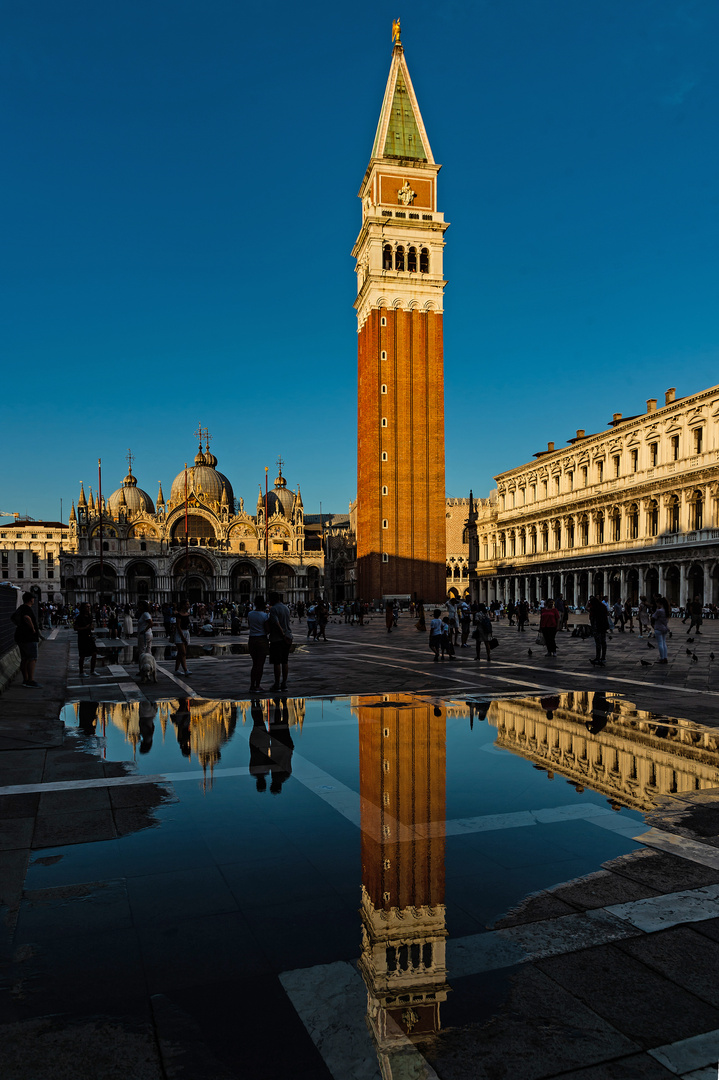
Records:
x=144, y=628
x=258, y=622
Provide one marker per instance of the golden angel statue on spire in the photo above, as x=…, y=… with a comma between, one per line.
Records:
x=395, y=31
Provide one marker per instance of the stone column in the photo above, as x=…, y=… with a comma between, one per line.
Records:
x=684, y=596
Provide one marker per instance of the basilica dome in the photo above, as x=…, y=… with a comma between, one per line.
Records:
x=202, y=478
x=130, y=498
x=280, y=500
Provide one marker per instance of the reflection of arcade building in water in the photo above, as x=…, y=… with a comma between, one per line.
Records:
x=402, y=800
x=143, y=543
x=603, y=742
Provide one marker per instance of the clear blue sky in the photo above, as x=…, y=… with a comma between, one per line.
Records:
x=179, y=187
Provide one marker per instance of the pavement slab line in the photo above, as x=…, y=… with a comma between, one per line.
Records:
x=331, y=1001
x=687, y=1056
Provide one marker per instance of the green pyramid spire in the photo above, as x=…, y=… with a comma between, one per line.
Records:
x=403, y=137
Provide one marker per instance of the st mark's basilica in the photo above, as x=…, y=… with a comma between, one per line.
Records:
x=230, y=553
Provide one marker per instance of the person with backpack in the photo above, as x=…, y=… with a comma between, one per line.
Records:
x=483, y=632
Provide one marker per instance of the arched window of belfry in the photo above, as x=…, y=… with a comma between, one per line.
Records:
x=399, y=258
x=387, y=257
x=412, y=260
x=424, y=261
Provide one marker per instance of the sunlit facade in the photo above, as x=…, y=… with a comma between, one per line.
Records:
x=230, y=553
x=624, y=512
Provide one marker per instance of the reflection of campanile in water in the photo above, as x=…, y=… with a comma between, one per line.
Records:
x=402, y=792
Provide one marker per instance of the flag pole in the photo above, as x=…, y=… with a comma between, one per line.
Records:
x=99, y=499
x=267, y=545
x=187, y=547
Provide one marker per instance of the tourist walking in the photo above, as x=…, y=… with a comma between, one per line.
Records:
x=280, y=636
x=257, y=642
x=695, y=614
x=643, y=616
x=144, y=628
x=182, y=637
x=548, y=625
x=660, y=622
x=465, y=619
x=629, y=615
x=389, y=616
x=323, y=614
x=522, y=615
x=483, y=633
x=436, y=629
x=599, y=621
x=86, y=644
x=27, y=636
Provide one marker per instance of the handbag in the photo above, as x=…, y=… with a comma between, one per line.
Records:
x=493, y=642
x=539, y=640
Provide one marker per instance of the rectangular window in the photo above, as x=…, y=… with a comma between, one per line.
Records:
x=544, y=488
x=385, y=490
x=48, y=536
x=675, y=448
x=20, y=573
x=385, y=557
x=653, y=453
x=384, y=421
x=384, y=388
x=35, y=559
x=50, y=558
x=33, y=536
x=635, y=460
x=20, y=558
x=4, y=558
x=617, y=465
x=385, y=523
x=698, y=438
x=533, y=492
x=600, y=472
x=51, y=573
x=584, y=475
x=556, y=485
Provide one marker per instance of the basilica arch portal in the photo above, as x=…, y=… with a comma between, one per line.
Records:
x=193, y=579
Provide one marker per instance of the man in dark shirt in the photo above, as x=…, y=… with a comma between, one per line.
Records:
x=280, y=635
x=27, y=636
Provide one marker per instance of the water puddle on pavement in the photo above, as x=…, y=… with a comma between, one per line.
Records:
x=377, y=828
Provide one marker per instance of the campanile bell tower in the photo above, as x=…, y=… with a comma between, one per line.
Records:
x=400, y=286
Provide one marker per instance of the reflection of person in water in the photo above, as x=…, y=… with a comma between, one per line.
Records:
x=87, y=717
x=549, y=704
x=281, y=746
x=147, y=714
x=259, y=747
x=600, y=713
x=181, y=719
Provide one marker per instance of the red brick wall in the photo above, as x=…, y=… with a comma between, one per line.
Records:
x=414, y=507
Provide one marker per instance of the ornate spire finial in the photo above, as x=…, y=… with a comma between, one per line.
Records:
x=198, y=435
x=396, y=32
x=129, y=458
x=207, y=438
x=280, y=463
